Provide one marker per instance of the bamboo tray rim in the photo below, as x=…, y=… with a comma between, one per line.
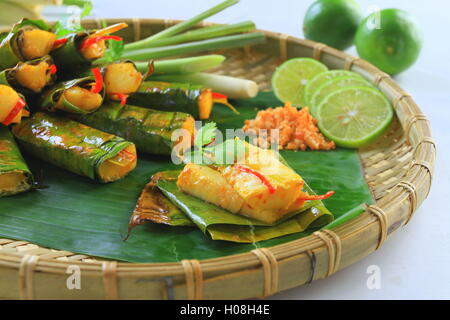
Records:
x=325, y=247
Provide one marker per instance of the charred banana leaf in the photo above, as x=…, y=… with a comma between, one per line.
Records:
x=184, y=97
x=75, y=147
x=15, y=177
x=150, y=130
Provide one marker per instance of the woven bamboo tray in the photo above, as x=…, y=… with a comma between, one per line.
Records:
x=398, y=169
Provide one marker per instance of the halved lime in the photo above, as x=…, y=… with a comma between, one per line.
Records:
x=332, y=85
x=290, y=78
x=323, y=77
x=355, y=116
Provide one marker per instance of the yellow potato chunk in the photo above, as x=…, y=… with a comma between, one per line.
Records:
x=82, y=98
x=36, y=43
x=119, y=166
x=33, y=77
x=122, y=77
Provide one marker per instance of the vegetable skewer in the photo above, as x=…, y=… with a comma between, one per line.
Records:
x=75, y=147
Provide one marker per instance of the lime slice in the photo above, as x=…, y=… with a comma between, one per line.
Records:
x=323, y=77
x=355, y=116
x=332, y=85
x=290, y=79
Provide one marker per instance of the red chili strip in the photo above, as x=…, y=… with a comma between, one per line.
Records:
x=259, y=175
x=127, y=154
x=98, y=80
x=20, y=104
x=52, y=68
x=317, y=197
x=59, y=42
x=93, y=40
x=216, y=95
x=123, y=97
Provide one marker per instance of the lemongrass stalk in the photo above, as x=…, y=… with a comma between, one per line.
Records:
x=193, y=47
x=183, y=65
x=232, y=87
x=180, y=27
x=198, y=34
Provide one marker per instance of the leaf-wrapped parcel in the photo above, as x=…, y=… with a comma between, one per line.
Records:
x=15, y=177
x=183, y=97
x=150, y=130
x=220, y=224
x=76, y=147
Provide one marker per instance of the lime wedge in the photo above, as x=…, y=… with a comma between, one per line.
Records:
x=290, y=78
x=323, y=77
x=332, y=85
x=355, y=116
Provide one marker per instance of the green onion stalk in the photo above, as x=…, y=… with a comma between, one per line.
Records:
x=194, y=47
x=180, y=27
x=183, y=65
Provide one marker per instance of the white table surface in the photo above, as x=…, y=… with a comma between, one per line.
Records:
x=415, y=260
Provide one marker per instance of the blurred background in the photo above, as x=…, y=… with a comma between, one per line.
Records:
x=415, y=260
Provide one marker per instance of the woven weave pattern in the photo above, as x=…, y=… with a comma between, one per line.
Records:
x=398, y=169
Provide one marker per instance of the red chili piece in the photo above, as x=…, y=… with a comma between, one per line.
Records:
x=123, y=97
x=317, y=197
x=20, y=104
x=259, y=175
x=98, y=80
x=52, y=68
x=59, y=42
x=93, y=40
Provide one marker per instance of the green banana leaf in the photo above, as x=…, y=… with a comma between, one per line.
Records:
x=148, y=129
x=50, y=97
x=9, y=50
x=67, y=57
x=183, y=97
x=11, y=160
x=75, y=214
x=223, y=225
x=8, y=76
x=67, y=144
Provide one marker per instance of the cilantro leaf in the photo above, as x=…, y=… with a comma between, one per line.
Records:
x=205, y=135
x=229, y=152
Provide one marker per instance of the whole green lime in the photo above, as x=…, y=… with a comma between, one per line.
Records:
x=333, y=22
x=390, y=39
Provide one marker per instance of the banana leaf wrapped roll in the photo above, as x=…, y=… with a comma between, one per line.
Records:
x=77, y=96
x=12, y=105
x=76, y=147
x=30, y=76
x=184, y=97
x=15, y=177
x=120, y=78
x=27, y=40
x=150, y=130
x=79, y=49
